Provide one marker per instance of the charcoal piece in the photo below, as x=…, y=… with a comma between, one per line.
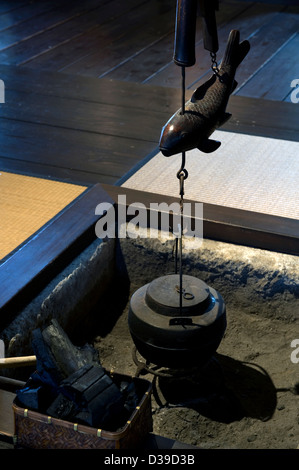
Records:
x=57, y=357
x=80, y=389
x=75, y=385
x=68, y=357
x=85, y=417
x=102, y=383
x=45, y=363
x=129, y=393
x=106, y=407
x=95, y=395
x=63, y=408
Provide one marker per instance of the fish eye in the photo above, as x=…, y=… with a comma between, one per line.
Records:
x=184, y=135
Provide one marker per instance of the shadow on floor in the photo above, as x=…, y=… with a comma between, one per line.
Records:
x=226, y=390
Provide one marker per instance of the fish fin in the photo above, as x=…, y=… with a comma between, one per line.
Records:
x=225, y=118
x=235, y=52
x=209, y=146
x=231, y=49
x=200, y=92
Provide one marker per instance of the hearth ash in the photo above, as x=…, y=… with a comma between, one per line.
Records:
x=70, y=384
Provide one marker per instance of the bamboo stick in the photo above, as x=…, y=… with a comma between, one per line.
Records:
x=6, y=362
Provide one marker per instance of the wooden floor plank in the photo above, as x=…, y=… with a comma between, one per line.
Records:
x=93, y=92
x=110, y=23
x=48, y=171
x=63, y=149
x=25, y=12
x=116, y=120
x=52, y=29
x=265, y=43
x=9, y=6
x=61, y=152
x=113, y=120
x=111, y=18
x=77, y=52
x=144, y=66
x=116, y=21
x=27, y=81
x=139, y=30
x=42, y=16
x=266, y=118
x=66, y=126
x=247, y=17
x=273, y=80
x=48, y=19
x=293, y=95
x=100, y=109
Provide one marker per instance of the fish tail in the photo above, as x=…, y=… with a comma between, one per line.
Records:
x=235, y=51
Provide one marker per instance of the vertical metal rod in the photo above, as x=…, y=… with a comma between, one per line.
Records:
x=181, y=230
x=183, y=90
x=176, y=256
x=181, y=270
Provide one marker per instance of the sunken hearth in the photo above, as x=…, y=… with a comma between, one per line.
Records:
x=245, y=395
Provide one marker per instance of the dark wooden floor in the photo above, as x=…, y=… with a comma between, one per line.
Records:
x=90, y=84
x=133, y=41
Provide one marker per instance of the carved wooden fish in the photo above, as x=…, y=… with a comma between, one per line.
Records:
x=206, y=110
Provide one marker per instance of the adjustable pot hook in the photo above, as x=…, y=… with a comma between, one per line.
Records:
x=184, y=56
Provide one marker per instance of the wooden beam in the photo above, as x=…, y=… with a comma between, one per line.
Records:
x=228, y=224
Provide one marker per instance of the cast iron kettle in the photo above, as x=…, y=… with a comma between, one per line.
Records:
x=173, y=333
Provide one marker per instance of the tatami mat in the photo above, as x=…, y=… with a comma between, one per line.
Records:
x=27, y=203
x=247, y=172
